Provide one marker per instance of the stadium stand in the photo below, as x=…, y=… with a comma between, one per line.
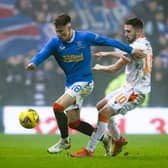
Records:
x=25, y=25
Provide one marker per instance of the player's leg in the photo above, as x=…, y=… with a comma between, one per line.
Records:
x=106, y=138
x=80, y=90
x=113, y=129
x=104, y=115
x=117, y=141
x=131, y=103
x=58, y=107
x=74, y=122
x=101, y=103
x=82, y=126
x=105, y=112
x=71, y=102
x=86, y=128
x=115, y=100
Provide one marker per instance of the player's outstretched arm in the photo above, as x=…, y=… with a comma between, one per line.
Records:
x=110, y=68
x=113, y=54
x=99, y=67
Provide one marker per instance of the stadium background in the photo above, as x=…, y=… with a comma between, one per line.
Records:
x=25, y=25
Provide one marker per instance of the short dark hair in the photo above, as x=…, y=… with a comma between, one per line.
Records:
x=135, y=22
x=62, y=20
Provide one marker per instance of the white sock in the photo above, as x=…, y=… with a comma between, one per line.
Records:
x=96, y=136
x=113, y=128
x=67, y=139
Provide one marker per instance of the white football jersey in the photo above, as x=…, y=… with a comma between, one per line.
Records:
x=138, y=72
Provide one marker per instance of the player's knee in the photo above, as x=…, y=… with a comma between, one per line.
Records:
x=103, y=117
x=111, y=123
x=58, y=107
x=74, y=124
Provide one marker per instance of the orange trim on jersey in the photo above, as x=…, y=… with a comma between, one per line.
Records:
x=151, y=60
x=132, y=97
x=141, y=36
x=146, y=70
x=103, y=118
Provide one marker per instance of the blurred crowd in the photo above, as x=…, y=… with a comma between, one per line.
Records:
x=21, y=87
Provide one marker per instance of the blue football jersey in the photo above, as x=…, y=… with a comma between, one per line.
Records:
x=74, y=57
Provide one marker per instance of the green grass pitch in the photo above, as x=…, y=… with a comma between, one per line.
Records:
x=30, y=151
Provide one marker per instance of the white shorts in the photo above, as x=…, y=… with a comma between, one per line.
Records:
x=80, y=90
x=121, y=102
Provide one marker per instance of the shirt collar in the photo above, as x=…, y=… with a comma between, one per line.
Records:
x=73, y=37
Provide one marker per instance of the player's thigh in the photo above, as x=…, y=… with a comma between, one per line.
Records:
x=130, y=105
x=117, y=99
x=73, y=115
x=101, y=104
x=107, y=111
x=79, y=91
x=66, y=100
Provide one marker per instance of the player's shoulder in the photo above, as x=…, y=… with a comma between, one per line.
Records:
x=84, y=33
x=54, y=39
x=142, y=40
x=52, y=42
x=141, y=43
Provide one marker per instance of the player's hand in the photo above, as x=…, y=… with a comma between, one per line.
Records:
x=125, y=58
x=97, y=67
x=100, y=54
x=138, y=53
x=31, y=66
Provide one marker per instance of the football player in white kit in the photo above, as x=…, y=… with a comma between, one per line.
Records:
x=129, y=96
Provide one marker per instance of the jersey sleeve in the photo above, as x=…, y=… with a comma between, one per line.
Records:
x=44, y=53
x=96, y=39
x=140, y=46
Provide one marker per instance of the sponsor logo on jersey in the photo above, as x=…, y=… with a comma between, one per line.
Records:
x=62, y=47
x=73, y=58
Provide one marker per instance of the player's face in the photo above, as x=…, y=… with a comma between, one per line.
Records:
x=64, y=32
x=129, y=33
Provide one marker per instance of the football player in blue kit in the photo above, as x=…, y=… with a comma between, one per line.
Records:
x=72, y=51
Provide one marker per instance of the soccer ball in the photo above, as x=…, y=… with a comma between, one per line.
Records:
x=29, y=118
